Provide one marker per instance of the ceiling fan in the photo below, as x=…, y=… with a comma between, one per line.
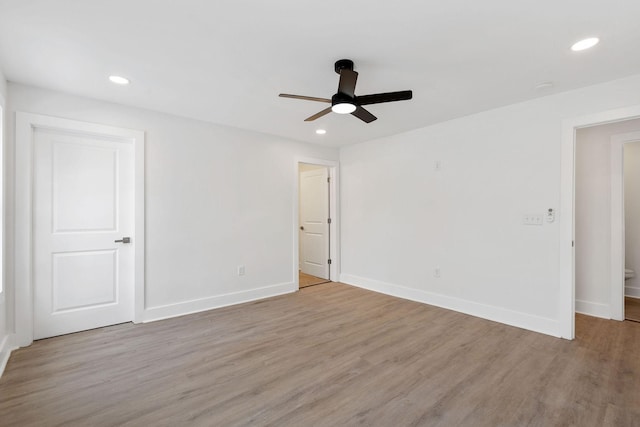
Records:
x=345, y=100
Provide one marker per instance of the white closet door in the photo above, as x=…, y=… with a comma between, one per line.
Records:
x=83, y=203
x=314, y=216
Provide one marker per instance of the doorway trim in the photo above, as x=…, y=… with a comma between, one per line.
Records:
x=26, y=124
x=567, y=290
x=334, y=209
x=618, y=222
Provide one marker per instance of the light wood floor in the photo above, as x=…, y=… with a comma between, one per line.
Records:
x=330, y=355
x=309, y=280
x=632, y=309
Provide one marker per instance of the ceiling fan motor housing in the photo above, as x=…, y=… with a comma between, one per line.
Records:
x=343, y=64
x=341, y=98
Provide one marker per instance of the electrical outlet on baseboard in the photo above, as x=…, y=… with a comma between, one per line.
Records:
x=241, y=270
x=436, y=272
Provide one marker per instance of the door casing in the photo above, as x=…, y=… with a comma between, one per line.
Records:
x=26, y=123
x=334, y=209
x=567, y=290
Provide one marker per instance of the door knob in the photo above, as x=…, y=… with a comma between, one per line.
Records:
x=124, y=240
x=301, y=228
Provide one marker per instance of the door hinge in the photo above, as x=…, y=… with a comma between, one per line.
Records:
x=328, y=220
x=329, y=261
x=572, y=243
x=328, y=179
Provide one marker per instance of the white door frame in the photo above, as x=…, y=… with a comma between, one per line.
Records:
x=334, y=209
x=26, y=124
x=567, y=290
x=617, y=222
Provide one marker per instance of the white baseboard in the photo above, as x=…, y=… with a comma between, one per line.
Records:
x=195, y=306
x=6, y=347
x=593, y=309
x=513, y=318
x=631, y=292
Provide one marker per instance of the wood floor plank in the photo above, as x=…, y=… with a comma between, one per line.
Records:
x=632, y=309
x=325, y=356
x=305, y=280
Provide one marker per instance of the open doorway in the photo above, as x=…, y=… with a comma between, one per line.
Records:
x=630, y=234
x=607, y=239
x=314, y=234
x=570, y=127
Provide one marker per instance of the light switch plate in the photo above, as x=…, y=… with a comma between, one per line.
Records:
x=532, y=219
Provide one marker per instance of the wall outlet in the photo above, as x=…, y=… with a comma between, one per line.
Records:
x=436, y=272
x=532, y=219
x=241, y=270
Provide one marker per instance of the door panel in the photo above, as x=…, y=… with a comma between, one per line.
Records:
x=84, y=280
x=83, y=202
x=314, y=215
x=84, y=199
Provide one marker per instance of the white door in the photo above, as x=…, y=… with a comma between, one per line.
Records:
x=314, y=222
x=83, y=202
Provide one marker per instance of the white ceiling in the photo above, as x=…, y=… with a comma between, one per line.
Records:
x=225, y=61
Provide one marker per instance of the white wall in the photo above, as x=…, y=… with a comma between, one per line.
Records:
x=402, y=219
x=632, y=214
x=593, y=216
x=216, y=198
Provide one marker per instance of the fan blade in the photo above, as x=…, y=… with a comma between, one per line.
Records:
x=306, y=98
x=379, y=98
x=347, y=83
x=364, y=115
x=318, y=115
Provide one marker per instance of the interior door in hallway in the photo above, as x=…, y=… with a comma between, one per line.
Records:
x=314, y=222
x=83, y=211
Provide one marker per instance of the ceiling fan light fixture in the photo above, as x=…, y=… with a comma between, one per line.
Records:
x=342, y=103
x=343, y=108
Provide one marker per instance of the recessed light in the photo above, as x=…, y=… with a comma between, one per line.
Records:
x=321, y=131
x=544, y=85
x=585, y=44
x=119, y=80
